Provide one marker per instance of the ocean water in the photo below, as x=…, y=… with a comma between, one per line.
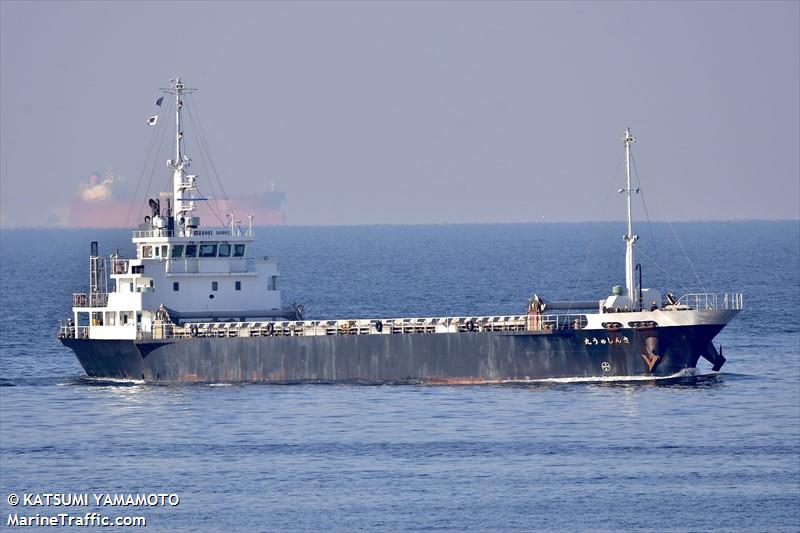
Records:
x=720, y=452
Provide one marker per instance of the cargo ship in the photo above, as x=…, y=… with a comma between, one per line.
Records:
x=193, y=304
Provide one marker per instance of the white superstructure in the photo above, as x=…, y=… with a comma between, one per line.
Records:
x=182, y=271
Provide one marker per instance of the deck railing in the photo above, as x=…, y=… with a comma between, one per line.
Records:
x=709, y=300
x=143, y=234
x=92, y=299
x=211, y=265
x=190, y=232
x=540, y=323
x=387, y=326
x=119, y=266
x=562, y=321
x=69, y=331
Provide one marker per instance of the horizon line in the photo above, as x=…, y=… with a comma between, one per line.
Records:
x=462, y=223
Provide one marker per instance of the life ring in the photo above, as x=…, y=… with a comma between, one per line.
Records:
x=270, y=328
x=470, y=325
x=378, y=326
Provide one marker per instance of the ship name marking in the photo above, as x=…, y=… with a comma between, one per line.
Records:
x=594, y=341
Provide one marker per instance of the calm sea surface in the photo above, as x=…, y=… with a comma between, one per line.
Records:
x=718, y=453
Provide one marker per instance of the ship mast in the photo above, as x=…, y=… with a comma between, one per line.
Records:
x=630, y=238
x=178, y=87
x=182, y=183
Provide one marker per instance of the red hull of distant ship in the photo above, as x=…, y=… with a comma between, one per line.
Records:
x=116, y=213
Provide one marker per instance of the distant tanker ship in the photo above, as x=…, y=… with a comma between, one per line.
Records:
x=266, y=207
x=97, y=205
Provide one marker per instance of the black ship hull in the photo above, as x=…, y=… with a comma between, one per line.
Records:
x=447, y=358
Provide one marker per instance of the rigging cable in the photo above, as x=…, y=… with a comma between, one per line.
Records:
x=202, y=138
x=153, y=169
x=670, y=276
x=593, y=239
x=206, y=167
x=141, y=174
x=203, y=149
x=646, y=213
x=652, y=237
x=687, y=257
x=211, y=183
x=213, y=167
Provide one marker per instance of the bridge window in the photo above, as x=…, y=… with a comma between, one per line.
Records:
x=164, y=251
x=137, y=269
x=191, y=250
x=208, y=250
x=214, y=285
x=238, y=250
x=224, y=249
x=177, y=250
x=147, y=252
x=238, y=285
x=176, y=286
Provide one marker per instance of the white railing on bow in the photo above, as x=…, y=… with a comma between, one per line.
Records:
x=709, y=300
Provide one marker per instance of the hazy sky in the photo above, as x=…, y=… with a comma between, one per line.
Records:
x=415, y=112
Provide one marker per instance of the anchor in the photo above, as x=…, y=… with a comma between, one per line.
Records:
x=651, y=358
x=714, y=357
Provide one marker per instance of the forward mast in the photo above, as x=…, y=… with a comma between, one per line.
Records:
x=629, y=237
